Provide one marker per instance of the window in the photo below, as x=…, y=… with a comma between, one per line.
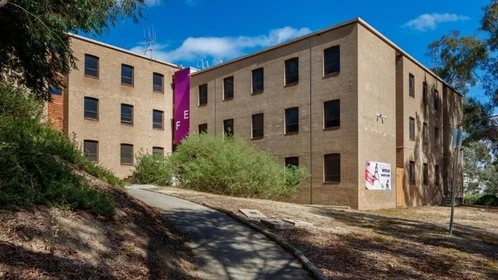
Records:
x=332, y=168
x=157, y=119
x=126, y=114
x=257, y=80
x=203, y=94
x=258, y=123
x=91, y=150
x=292, y=161
x=292, y=120
x=54, y=90
x=412, y=129
x=425, y=133
x=412, y=173
x=332, y=113
x=436, y=173
x=91, y=108
x=436, y=136
x=91, y=66
x=436, y=100
x=424, y=93
x=411, y=85
x=292, y=71
x=332, y=59
x=126, y=154
x=203, y=128
x=126, y=74
x=426, y=174
x=158, y=151
x=158, y=82
x=228, y=127
x=228, y=88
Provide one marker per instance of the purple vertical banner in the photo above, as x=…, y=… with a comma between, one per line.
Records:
x=182, y=104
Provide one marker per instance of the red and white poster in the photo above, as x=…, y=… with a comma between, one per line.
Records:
x=378, y=175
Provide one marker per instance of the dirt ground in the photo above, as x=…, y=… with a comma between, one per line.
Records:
x=407, y=243
x=48, y=243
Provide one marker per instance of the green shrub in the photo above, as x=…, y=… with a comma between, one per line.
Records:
x=152, y=169
x=230, y=166
x=471, y=199
x=488, y=199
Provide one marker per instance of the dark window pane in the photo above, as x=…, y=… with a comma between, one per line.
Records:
x=436, y=173
x=157, y=119
x=157, y=82
x=228, y=127
x=157, y=151
x=424, y=93
x=436, y=100
x=292, y=71
x=412, y=129
x=203, y=128
x=332, y=60
x=425, y=132
x=228, y=88
x=54, y=90
x=292, y=161
x=126, y=114
x=126, y=154
x=332, y=113
x=257, y=80
x=91, y=108
x=426, y=174
x=411, y=85
x=412, y=173
x=203, y=94
x=332, y=168
x=91, y=150
x=292, y=120
x=91, y=65
x=126, y=74
x=258, y=126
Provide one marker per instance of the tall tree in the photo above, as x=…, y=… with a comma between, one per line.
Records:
x=479, y=173
x=34, y=49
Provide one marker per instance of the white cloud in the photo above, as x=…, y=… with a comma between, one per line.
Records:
x=221, y=48
x=427, y=22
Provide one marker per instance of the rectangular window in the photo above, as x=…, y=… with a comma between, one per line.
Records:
x=203, y=128
x=228, y=127
x=412, y=129
x=425, y=133
x=292, y=71
x=332, y=168
x=158, y=151
x=91, y=66
x=126, y=114
x=332, y=60
x=91, y=108
x=426, y=174
x=411, y=85
x=332, y=113
x=91, y=150
x=157, y=119
x=228, y=88
x=126, y=74
x=126, y=154
x=158, y=82
x=424, y=93
x=436, y=100
x=412, y=173
x=436, y=136
x=292, y=161
x=258, y=126
x=292, y=120
x=258, y=80
x=436, y=174
x=54, y=90
x=203, y=94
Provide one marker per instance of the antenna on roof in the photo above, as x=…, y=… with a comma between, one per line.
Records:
x=150, y=40
x=202, y=64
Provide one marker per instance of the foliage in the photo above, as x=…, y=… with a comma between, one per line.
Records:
x=479, y=172
x=34, y=48
x=37, y=161
x=488, y=199
x=152, y=169
x=471, y=199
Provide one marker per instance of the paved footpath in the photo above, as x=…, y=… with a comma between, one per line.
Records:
x=223, y=248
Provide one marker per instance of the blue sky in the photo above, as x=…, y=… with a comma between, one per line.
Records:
x=214, y=30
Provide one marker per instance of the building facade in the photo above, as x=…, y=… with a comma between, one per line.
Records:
x=370, y=123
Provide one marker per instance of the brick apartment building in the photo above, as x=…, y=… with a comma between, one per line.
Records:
x=371, y=124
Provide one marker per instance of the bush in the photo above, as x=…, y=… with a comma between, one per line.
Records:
x=471, y=199
x=229, y=166
x=37, y=162
x=152, y=169
x=488, y=199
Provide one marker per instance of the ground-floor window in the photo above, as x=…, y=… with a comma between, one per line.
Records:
x=332, y=168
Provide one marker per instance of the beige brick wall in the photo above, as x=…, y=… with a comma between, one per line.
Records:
x=108, y=130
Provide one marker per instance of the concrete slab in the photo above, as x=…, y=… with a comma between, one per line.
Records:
x=297, y=223
x=276, y=224
x=253, y=213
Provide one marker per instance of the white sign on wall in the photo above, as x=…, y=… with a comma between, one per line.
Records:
x=378, y=175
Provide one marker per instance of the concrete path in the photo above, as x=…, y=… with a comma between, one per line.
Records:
x=223, y=248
